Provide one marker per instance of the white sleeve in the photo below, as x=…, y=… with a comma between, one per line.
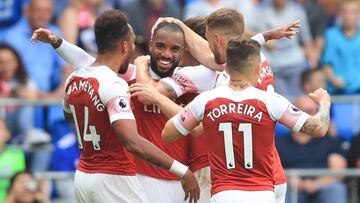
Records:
x=259, y=38
x=116, y=97
x=74, y=55
x=280, y=109
x=192, y=79
x=191, y=115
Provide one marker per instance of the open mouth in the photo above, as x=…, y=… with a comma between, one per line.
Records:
x=164, y=64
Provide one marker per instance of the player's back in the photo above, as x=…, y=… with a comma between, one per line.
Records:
x=89, y=91
x=241, y=139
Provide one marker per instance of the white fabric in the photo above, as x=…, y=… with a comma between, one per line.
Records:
x=276, y=105
x=74, y=55
x=178, y=125
x=204, y=180
x=259, y=38
x=97, y=187
x=193, y=79
x=111, y=90
x=178, y=168
x=280, y=192
x=162, y=191
x=239, y=196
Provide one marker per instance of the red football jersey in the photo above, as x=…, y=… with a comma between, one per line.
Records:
x=240, y=126
x=150, y=123
x=94, y=108
x=199, y=79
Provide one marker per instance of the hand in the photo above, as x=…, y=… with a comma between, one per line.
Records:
x=320, y=95
x=142, y=62
x=288, y=31
x=190, y=187
x=148, y=93
x=161, y=20
x=338, y=83
x=46, y=36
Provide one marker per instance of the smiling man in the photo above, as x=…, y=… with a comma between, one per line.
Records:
x=166, y=49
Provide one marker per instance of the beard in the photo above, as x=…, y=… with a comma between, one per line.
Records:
x=162, y=74
x=124, y=66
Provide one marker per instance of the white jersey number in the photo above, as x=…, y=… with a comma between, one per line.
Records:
x=93, y=136
x=246, y=128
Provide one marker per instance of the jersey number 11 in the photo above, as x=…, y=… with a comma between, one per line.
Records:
x=246, y=128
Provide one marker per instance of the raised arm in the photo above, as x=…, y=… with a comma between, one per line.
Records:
x=318, y=125
x=72, y=54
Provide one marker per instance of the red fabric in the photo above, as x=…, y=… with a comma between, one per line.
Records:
x=150, y=122
x=199, y=152
x=112, y=158
x=279, y=173
x=260, y=177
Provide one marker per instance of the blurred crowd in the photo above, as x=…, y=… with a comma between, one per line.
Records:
x=325, y=53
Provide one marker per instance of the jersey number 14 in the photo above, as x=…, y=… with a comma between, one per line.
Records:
x=246, y=128
x=93, y=136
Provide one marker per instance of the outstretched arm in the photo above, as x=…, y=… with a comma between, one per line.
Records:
x=72, y=54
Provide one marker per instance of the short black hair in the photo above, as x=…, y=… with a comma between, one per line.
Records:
x=111, y=27
x=173, y=27
x=240, y=54
x=198, y=25
x=306, y=75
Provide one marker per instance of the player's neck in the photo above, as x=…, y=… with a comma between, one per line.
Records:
x=110, y=60
x=239, y=83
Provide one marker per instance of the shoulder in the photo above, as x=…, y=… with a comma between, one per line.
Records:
x=209, y=95
x=130, y=73
x=14, y=32
x=195, y=70
x=109, y=77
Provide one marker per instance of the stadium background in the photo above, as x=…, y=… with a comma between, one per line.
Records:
x=41, y=140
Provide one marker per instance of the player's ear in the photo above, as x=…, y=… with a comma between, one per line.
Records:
x=124, y=46
x=218, y=38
